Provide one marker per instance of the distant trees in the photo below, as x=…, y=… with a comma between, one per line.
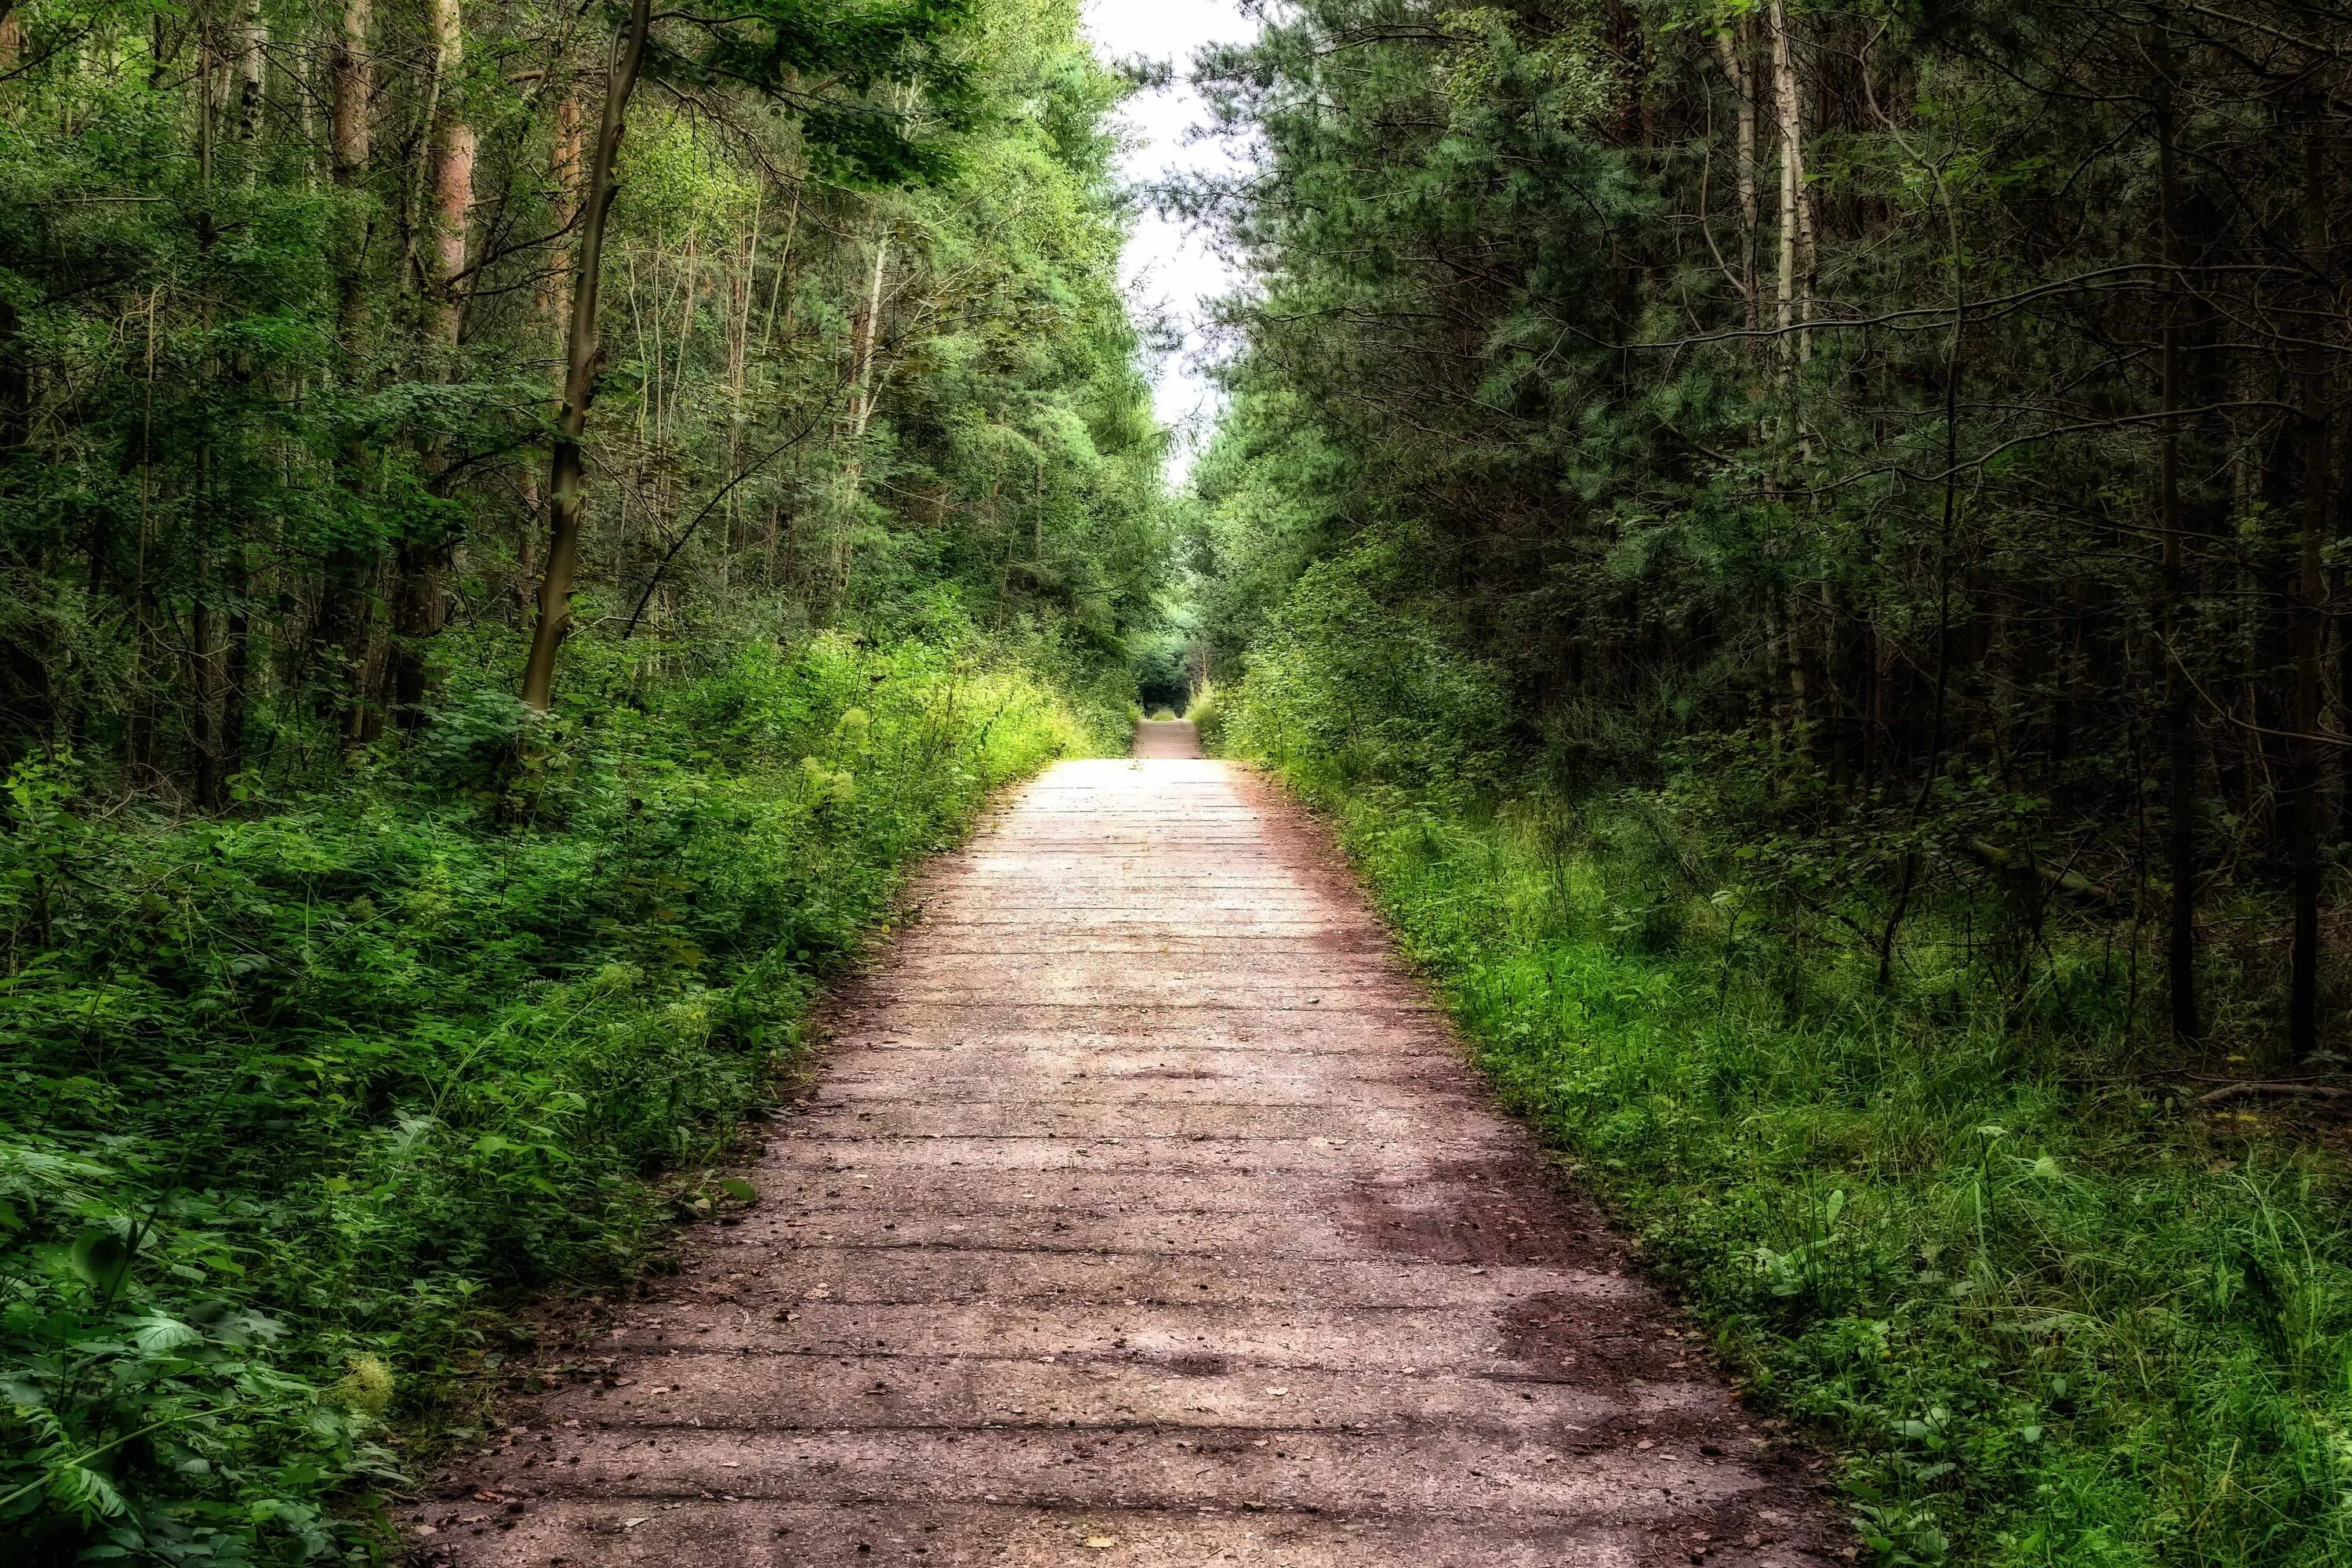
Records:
x=1917, y=432
x=305, y=307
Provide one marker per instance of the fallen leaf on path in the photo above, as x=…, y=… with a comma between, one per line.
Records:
x=633, y=1524
x=1100, y=1541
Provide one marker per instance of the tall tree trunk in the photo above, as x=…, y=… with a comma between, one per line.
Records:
x=564, y=160
x=868, y=336
x=419, y=610
x=865, y=335
x=742, y=291
x=2180, y=713
x=2310, y=594
x=418, y=600
x=1731, y=49
x=554, y=294
x=354, y=75
x=203, y=702
x=253, y=71
x=581, y=360
x=1793, y=288
x=453, y=179
x=2342, y=704
x=234, y=701
x=347, y=614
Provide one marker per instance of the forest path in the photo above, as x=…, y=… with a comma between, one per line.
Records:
x=1145, y=1212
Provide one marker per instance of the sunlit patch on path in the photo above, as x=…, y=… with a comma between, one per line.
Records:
x=1145, y=1212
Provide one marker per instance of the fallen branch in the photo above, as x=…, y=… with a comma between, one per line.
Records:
x=2074, y=882
x=2255, y=1089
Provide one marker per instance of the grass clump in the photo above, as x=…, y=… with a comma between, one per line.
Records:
x=291, y=1099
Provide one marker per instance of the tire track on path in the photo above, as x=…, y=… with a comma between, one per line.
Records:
x=1145, y=1212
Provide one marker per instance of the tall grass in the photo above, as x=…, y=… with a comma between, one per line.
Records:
x=290, y=1099
x=2044, y=1313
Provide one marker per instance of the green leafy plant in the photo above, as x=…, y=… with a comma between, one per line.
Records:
x=291, y=1100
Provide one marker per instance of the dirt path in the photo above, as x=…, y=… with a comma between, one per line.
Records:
x=1145, y=1213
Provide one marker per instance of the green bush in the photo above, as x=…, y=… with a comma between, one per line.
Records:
x=1343, y=686
x=290, y=1099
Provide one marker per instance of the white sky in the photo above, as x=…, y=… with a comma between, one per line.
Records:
x=1168, y=267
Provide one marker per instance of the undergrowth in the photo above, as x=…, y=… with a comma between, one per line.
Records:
x=293, y=1099
x=2045, y=1312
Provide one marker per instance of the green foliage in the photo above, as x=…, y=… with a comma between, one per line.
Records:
x=2044, y=1317
x=291, y=1100
x=848, y=51
x=862, y=340
x=1372, y=695
x=342, y=996
x=1772, y=399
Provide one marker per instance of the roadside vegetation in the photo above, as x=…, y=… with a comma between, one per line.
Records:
x=1977, y=1239
x=298, y=1096
x=1800, y=548
x=432, y=797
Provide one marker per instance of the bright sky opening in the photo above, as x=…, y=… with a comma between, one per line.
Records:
x=1171, y=269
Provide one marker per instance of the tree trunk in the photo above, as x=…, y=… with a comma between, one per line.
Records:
x=253, y=69
x=581, y=360
x=2343, y=708
x=2310, y=604
x=453, y=181
x=870, y=333
x=555, y=290
x=1730, y=46
x=2180, y=712
x=347, y=610
x=1793, y=288
x=240, y=673
x=419, y=598
x=742, y=290
x=203, y=705
x=354, y=75
x=419, y=611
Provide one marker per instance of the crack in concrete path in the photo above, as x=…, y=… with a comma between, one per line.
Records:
x=1144, y=1213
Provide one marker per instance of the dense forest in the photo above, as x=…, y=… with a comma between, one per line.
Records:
x=516, y=524
x=1801, y=546
x=1805, y=543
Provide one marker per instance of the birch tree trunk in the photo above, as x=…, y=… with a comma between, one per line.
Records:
x=1793, y=287
x=252, y=69
x=868, y=335
x=1731, y=50
x=453, y=178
